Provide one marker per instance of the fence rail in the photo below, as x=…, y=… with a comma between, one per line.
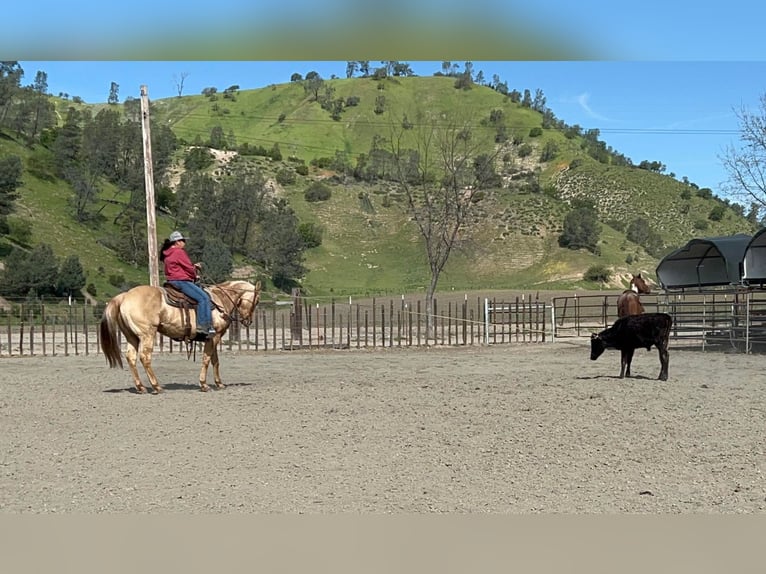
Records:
x=56, y=329
x=728, y=320
x=725, y=319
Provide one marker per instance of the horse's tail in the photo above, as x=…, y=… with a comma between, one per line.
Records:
x=108, y=328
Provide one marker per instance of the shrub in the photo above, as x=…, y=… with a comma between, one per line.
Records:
x=597, y=273
x=321, y=162
x=285, y=176
x=717, y=213
x=311, y=233
x=302, y=169
x=524, y=150
x=116, y=280
x=20, y=230
x=535, y=132
x=198, y=158
x=317, y=191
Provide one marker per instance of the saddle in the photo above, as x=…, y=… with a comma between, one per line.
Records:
x=176, y=298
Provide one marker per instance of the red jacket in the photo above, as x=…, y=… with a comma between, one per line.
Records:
x=178, y=265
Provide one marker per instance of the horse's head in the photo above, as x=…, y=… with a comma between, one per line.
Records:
x=249, y=297
x=638, y=284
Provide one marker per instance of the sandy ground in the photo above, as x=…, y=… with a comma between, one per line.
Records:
x=511, y=429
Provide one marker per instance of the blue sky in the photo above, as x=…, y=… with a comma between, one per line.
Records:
x=341, y=29
x=660, y=79
x=679, y=113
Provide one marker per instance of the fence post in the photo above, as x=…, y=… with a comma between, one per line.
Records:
x=486, y=321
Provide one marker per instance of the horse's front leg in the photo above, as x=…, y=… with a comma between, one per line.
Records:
x=206, y=357
x=216, y=365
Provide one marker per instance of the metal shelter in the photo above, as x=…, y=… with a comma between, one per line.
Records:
x=705, y=262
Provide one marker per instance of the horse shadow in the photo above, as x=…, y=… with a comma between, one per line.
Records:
x=176, y=387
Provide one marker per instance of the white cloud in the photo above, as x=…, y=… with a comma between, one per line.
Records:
x=583, y=101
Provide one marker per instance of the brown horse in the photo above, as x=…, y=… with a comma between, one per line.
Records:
x=629, y=303
x=143, y=311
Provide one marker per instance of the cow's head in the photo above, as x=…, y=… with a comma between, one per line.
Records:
x=597, y=346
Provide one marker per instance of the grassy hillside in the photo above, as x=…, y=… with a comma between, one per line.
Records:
x=370, y=246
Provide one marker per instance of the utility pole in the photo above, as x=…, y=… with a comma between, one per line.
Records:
x=151, y=214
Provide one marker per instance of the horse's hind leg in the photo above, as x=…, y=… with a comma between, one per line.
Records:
x=147, y=346
x=131, y=354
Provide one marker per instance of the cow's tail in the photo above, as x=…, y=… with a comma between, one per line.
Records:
x=108, y=330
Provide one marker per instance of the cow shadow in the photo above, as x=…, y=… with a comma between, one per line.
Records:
x=594, y=377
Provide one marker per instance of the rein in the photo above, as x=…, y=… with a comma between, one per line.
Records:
x=234, y=315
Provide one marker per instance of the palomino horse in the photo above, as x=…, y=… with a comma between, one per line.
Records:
x=143, y=311
x=628, y=303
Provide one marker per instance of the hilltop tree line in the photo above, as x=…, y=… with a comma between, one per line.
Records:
x=101, y=157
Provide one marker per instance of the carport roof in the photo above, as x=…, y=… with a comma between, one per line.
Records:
x=704, y=262
x=754, y=262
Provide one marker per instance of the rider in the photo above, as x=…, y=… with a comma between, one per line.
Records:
x=181, y=273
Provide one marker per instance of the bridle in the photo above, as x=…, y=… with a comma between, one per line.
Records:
x=234, y=315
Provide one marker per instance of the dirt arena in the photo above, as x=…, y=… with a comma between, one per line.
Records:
x=511, y=429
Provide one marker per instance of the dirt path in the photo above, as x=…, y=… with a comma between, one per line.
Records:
x=504, y=429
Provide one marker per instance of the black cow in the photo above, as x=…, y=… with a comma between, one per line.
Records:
x=629, y=333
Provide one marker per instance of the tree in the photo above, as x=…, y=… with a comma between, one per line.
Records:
x=114, y=93
x=37, y=269
x=313, y=84
x=746, y=166
x=217, y=138
x=435, y=167
x=10, y=180
x=581, y=229
x=71, y=277
x=43, y=110
x=179, y=82
x=10, y=85
x=280, y=248
x=217, y=262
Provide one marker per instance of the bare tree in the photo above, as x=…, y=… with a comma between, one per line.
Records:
x=747, y=166
x=434, y=165
x=179, y=80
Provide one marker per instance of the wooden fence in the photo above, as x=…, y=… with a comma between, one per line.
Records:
x=731, y=319
x=305, y=323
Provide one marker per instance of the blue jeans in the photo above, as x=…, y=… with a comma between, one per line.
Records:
x=204, y=313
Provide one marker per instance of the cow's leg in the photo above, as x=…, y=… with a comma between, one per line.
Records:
x=626, y=356
x=664, y=362
x=629, y=354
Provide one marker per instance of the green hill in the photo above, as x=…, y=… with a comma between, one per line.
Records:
x=370, y=246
